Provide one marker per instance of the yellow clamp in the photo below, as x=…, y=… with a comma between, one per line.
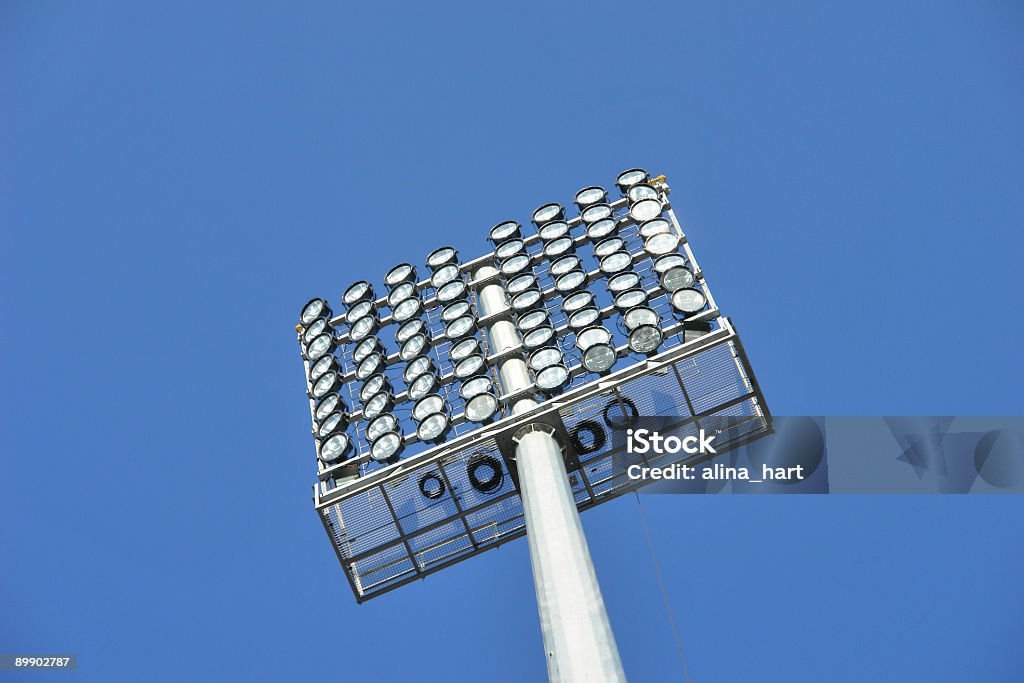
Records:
x=298, y=328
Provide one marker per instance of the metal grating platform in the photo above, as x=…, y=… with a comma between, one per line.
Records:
x=386, y=532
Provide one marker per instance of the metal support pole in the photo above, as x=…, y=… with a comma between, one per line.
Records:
x=578, y=638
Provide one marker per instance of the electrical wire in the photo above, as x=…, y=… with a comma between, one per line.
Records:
x=664, y=592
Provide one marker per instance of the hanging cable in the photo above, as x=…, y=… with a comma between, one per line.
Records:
x=664, y=593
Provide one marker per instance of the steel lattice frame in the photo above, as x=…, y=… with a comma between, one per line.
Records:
x=386, y=532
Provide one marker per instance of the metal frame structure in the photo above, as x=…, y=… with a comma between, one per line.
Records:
x=339, y=483
x=674, y=368
x=387, y=532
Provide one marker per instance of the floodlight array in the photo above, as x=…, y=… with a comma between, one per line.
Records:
x=589, y=295
x=614, y=320
x=330, y=416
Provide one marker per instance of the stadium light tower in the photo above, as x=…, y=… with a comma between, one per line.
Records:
x=497, y=406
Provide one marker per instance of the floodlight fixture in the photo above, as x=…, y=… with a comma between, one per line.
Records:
x=314, y=308
x=460, y=327
x=416, y=367
x=504, y=231
x=382, y=424
x=528, y=321
x=515, y=265
x=688, y=301
x=577, y=300
x=601, y=229
x=641, y=191
x=475, y=386
x=521, y=282
x=661, y=244
x=364, y=327
x=442, y=257
x=609, y=245
x=361, y=309
x=370, y=366
x=559, y=246
x=374, y=384
x=401, y=292
x=654, y=227
x=590, y=195
x=332, y=422
x=595, y=213
x=695, y=329
x=599, y=358
x=668, y=262
x=444, y=274
x=645, y=209
x=425, y=384
x=542, y=358
x=616, y=262
x=315, y=329
x=640, y=315
x=327, y=405
x=464, y=348
x=409, y=329
x=380, y=403
x=546, y=213
x=334, y=447
x=538, y=337
x=469, y=366
x=456, y=289
x=432, y=428
x=456, y=309
x=564, y=264
x=585, y=317
x=357, y=291
x=645, y=339
x=428, y=405
x=414, y=346
x=402, y=273
x=386, y=446
x=629, y=298
x=321, y=346
x=594, y=334
x=482, y=407
x=628, y=179
x=631, y=177
x=623, y=281
x=527, y=299
x=325, y=364
x=365, y=348
x=553, y=230
x=509, y=248
x=571, y=280
x=328, y=383
x=676, y=278
x=407, y=309
x=553, y=378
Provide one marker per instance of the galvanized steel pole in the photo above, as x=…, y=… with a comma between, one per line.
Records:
x=578, y=638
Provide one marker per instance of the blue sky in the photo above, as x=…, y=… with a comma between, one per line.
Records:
x=176, y=182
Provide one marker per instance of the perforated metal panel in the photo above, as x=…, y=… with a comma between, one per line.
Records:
x=386, y=532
